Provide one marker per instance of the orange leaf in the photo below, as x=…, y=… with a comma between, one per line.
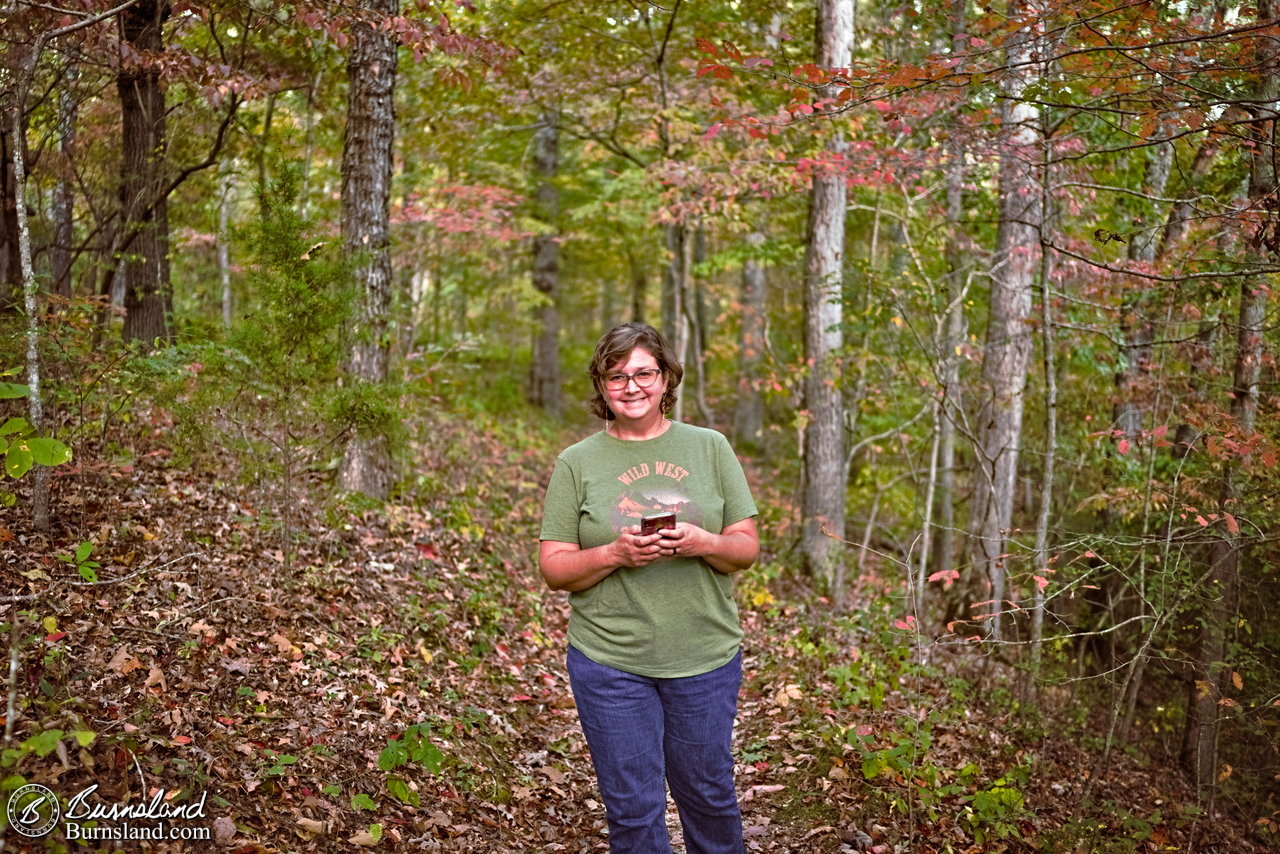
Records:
x=1237, y=680
x=1232, y=525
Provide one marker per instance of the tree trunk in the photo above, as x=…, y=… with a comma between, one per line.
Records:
x=366, y=193
x=823, y=503
x=226, y=187
x=148, y=300
x=1136, y=328
x=675, y=275
x=1008, y=349
x=942, y=551
x=1210, y=662
x=544, y=373
x=63, y=192
x=10, y=264
x=748, y=414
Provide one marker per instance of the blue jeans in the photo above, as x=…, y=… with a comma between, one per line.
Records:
x=641, y=730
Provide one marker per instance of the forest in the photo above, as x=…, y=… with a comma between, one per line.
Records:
x=297, y=302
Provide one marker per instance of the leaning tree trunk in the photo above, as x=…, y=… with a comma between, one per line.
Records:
x=366, y=194
x=544, y=372
x=148, y=301
x=1008, y=349
x=824, y=465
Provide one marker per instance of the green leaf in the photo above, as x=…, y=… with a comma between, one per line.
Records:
x=363, y=802
x=49, y=452
x=331, y=790
x=392, y=756
x=44, y=743
x=84, y=737
x=7, y=499
x=89, y=573
x=400, y=790
x=13, y=781
x=9, y=391
x=18, y=460
x=14, y=425
x=375, y=830
x=83, y=551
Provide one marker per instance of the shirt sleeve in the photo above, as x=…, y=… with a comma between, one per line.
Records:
x=738, y=503
x=562, y=505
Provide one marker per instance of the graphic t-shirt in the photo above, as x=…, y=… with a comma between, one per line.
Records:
x=674, y=617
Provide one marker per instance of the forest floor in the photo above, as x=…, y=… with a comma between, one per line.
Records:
x=395, y=681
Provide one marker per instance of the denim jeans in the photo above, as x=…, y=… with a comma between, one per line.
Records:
x=641, y=730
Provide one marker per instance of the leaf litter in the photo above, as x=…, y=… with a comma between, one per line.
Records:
x=200, y=665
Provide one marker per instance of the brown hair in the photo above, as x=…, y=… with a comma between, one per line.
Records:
x=616, y=346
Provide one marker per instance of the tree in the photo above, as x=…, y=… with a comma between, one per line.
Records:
x=366, y=193
x=1007, y=355
x=544, y=371
x=148, y=300
x=824, y=466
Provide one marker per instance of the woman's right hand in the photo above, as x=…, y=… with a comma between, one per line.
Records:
x=633, y=548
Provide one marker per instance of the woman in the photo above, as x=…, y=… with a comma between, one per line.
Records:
x=653, y=636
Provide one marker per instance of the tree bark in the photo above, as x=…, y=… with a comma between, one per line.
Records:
x=366, y=237
x=148, y=299
x=10, y=264
x=1008, y=348
x=823, y=502
x=942, y=550
x=544, y=372
x=748, y=413
x=63, y=192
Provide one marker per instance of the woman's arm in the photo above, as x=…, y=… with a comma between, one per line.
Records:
x=568, y=566
x=732, y=550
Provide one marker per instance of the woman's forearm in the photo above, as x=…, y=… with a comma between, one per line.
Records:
x=566, y=566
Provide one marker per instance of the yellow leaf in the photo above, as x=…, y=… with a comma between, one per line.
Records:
x=50, y=625
x=1225, y=773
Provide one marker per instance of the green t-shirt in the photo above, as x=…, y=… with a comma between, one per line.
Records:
x=674, y=617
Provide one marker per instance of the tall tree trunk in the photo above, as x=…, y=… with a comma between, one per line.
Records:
x=226, y=188
x=823, y=503
x=1008, y=348
x=1210, y=662
x=544, y=373
x=10, y=263
x=148, y=300
x=942, y=550
x=1136, y=328
x=675, y=291
x=366, y=238
x=63, y=192
x=748, y=414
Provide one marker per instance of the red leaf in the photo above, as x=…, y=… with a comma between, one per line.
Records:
x=428, y=551
x=707, y=47
x=1232, y=525
x=522, y=698
x=182, y=739
x=1122, y=447
x=55, y=637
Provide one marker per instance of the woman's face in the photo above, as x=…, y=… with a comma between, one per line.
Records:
x=631, y=402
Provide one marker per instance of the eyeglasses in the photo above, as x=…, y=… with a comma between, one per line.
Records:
x=644, y=378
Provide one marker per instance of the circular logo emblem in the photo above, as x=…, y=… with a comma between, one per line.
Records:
x=33, y=810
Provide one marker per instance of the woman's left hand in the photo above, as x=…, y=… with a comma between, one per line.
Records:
x=684, y=540
x=733, y=549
